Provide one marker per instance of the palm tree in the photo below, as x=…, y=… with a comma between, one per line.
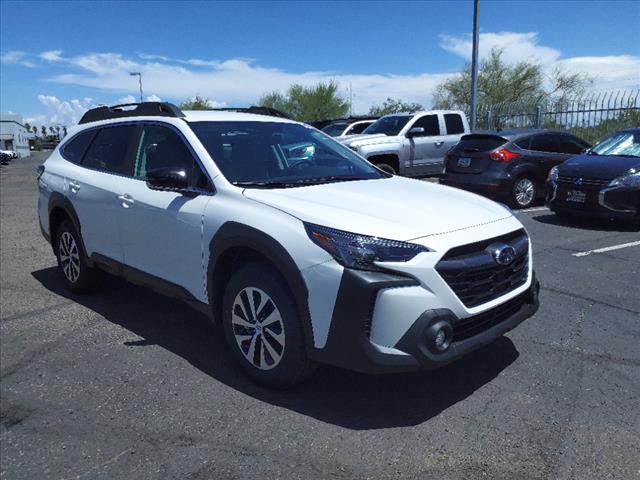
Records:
x=44, y=131
x=52, y=130
x=34, y=129
x=27, y=126
x=64, y=132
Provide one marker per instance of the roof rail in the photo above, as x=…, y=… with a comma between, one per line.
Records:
x=150, y=109
x=272, y=112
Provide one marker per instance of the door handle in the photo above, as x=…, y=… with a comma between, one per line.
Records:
x=439, y=144
x=126, y=200
x=74, y=186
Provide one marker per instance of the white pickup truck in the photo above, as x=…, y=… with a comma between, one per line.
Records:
x=410, y=144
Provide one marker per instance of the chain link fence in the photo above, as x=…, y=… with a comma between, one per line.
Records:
x=590, y=117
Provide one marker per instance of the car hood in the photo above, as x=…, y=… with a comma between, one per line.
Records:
x=598, y=166
x=396, y=208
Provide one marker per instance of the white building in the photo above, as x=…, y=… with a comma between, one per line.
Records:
x=14, y=135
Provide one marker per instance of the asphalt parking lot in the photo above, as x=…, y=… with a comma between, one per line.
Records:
x=125, y=383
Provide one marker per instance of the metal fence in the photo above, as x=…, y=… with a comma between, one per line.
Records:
x=591, y=116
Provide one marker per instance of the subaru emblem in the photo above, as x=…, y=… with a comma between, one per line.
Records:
x=503, y=254
x=578, y=181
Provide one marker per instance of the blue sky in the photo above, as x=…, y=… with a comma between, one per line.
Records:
x=60, y=58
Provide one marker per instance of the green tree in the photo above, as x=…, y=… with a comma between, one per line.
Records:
x=390, y=106
x=319, y=102
x=197, y=103
x=500, y=82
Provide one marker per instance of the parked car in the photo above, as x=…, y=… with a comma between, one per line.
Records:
x=9, y=154
x=345, y=128
x=5, y=158
x=604, y=182
x=410, y=144
x=331, y=261
x=510, y=165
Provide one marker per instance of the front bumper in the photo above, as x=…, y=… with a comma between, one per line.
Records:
x=606, y=202
x=350, y=340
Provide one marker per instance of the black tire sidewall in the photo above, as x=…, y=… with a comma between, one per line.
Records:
x=385, y=167
x=294, y=363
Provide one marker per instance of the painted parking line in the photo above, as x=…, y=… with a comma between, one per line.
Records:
x=606, y=249
x=534, y=209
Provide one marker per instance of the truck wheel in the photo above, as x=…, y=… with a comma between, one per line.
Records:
x=385, y=167
x=524, y=192
x=78, y=276
x=262, y=327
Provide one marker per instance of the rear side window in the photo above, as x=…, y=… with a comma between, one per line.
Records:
x=453, y=122
x=524, y=143
x=108, y=151
x=430, y=125
x=479, y=143
x=571, y=145
x=359, y=128
x=74, y=150
x=545, y=143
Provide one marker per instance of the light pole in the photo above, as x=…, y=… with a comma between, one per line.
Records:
x=474, y=68
x=139, y=75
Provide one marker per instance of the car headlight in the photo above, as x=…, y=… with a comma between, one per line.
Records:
x=361, y=251
x=553, y=175
x=630, y=180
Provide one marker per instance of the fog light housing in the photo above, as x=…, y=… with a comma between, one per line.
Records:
x=439, y=336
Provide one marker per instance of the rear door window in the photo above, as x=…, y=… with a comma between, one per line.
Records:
x=109, y=150
x=544, y=143
x=454, y=124
x=430, y=124
x=571, y=145
x=74, y=150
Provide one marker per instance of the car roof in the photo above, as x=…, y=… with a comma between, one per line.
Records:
x=515, y=132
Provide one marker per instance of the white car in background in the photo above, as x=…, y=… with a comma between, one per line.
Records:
x=348, y=127
x=328, y=260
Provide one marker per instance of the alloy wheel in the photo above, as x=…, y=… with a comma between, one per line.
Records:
x=258, y=328
x=69, y=257
x=524, y=192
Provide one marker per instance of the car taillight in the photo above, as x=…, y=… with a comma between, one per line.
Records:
x=504, y=155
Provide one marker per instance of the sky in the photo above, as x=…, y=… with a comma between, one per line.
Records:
x=59, y=58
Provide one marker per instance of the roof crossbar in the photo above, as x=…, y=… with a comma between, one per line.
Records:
x=146, y=109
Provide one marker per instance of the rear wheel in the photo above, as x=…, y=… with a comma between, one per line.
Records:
x=263, y=329
x=77, y=275
x=524, y=192
x=385, y=167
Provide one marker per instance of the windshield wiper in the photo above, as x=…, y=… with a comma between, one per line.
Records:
x=329, y=179
x=266, y=184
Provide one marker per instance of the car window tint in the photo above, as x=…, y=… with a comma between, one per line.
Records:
x=161, y=147
x=524, y=143
x=453, y=122
x=108, y=150
x=479, y=143
x=544, y=143
x=74, y=150
x=359, y=128
x=430, y=125
x=569, y=144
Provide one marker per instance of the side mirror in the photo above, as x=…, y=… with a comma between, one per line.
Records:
x=172, y=179
x=415, y=132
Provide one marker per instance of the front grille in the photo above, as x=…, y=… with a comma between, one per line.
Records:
x=588, y=183
x=474, y=275
x=468, y=327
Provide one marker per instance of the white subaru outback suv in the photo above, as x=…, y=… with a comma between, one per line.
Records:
x=321, y=259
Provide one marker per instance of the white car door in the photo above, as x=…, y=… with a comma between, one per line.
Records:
x=162, y=230
x=428, y=146
x=94, y=185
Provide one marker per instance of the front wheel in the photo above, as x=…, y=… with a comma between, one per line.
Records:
x=263, y=329
x=524, y=192
x=385, y=167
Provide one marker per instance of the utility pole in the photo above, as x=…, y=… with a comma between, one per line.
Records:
x=350, y=100
x=139, y=75
x=474, y=68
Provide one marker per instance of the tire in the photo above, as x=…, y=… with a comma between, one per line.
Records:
x=78, y=276
x=283, y=362
x=524, y=192
x=385, y=167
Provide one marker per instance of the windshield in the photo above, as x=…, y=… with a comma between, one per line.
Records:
x=334, y=129
x=619, y=144
x=389, y=125
x=279, y=155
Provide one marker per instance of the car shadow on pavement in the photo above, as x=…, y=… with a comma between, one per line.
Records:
x=336, y=396
x=598, y=224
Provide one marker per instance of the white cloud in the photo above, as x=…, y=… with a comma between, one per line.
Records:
x=127, y=99
x=51, y=55
x=516, y=47
x=16, y=57
x=153, y=98
x=609, y=72
x=60, y=112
